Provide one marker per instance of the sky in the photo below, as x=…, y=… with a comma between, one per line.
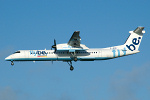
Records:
x=34, y=24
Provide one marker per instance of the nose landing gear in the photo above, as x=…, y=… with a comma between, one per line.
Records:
x=12, y=63
x=71, y=67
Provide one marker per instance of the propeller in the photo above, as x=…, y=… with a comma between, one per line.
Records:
x=54, y=46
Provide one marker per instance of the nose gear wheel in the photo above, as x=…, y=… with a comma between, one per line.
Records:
x=12, y=63
x=71, y=67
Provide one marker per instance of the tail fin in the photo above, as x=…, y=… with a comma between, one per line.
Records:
x=134, y=40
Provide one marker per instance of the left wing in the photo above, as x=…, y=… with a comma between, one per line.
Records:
x=75, y=39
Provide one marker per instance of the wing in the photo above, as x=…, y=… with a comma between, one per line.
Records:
x=75, y=39
x=73, y=45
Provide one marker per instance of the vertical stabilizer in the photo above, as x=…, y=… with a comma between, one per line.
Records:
x=134, y=40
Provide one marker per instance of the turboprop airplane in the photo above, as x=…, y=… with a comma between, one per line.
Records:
x=75, y=51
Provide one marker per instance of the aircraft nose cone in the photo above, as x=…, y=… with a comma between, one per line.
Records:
x=8, y=58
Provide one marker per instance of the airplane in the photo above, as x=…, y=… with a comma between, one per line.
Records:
x=75, y=51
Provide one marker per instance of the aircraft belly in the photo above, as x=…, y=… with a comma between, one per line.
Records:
x=91, y=57
x=63, y=57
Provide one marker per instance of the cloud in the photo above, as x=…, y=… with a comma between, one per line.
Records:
x=8, y=93
x=53, y=96
x=125, y=85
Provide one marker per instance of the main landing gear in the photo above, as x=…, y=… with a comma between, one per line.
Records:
x=71, y=67
x=75, y=59
x=12, y=63
x=74, y=56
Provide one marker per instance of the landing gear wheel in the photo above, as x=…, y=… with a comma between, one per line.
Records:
x=71, y=68
x=75, y=59
x=12, y=63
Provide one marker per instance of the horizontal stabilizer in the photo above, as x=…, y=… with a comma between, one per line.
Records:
x=138, y=30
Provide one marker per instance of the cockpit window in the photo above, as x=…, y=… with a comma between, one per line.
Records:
x=17, y=52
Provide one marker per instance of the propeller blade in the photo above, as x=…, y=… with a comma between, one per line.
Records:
x=54, y=46
x=55, y=49
x=54, y=42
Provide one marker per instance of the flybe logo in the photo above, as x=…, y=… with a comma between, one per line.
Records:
x=38, y=53
x=135, y=41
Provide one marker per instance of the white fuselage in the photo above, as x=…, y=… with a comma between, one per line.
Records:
x=82, y=55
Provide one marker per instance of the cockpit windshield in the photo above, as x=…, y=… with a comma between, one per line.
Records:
x=17, y=52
